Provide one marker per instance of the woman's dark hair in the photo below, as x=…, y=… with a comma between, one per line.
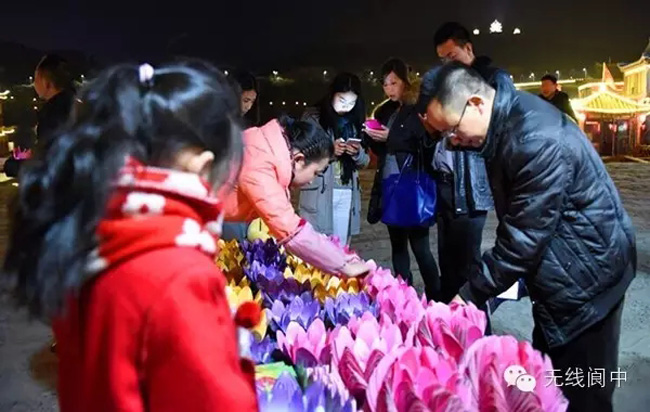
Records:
x=308, y=138
x=245, y=80
x=347, y=125
x=62, y=200
x=397, y=66
x=55, y=69
x=343, y=83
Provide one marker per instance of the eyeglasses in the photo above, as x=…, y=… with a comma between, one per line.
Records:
x=453, y=132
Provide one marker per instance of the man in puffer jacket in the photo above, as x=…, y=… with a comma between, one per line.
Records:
x=562, y=226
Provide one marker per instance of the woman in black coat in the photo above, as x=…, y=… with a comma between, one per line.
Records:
x=402, y=136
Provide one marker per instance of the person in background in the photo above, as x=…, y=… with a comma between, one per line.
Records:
x=559, y=99
x=246, y=86
x=402, y=136
x=287, y=153
x=118, y=251
x=562, y=225
x=332, y=202
x=53, y=84
x=464, y=196
x=249, y=90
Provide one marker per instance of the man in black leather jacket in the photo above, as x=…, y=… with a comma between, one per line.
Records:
x=464, y=196
x=562, y=226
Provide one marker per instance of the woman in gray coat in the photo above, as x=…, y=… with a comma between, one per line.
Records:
x=332, y=202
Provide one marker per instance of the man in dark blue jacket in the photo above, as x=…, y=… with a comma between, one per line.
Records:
x=464, y=196
x=562, y=226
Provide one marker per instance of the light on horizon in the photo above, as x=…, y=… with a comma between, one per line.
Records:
x=496, y=27
x=516, y=31
x=476, y=32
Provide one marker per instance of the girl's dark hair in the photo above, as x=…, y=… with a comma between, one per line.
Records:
x=245, y=80
x=397, y=66
x=343, y=83
x=308, y=138
x=62, y=200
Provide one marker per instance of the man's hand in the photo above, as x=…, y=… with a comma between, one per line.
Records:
x=339, y=147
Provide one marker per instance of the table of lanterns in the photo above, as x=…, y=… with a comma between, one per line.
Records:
x=330, y=344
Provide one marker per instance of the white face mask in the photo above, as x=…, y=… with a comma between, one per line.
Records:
x=344, y=102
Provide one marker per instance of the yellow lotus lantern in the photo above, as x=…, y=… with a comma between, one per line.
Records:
x=237, y=295
x=260, y=330
x=230, y=259
x=258, y=230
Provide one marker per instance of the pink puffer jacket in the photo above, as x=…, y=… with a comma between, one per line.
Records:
x=262, y=190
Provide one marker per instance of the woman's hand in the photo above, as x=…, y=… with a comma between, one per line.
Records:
x=352, y=148
x=377, y=135
x=339, y=147
x=355, y=268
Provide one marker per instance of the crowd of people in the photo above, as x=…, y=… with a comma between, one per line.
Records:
x=114, y=227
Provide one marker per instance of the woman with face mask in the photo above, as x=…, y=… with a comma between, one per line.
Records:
x=281, y=154
x=401, y=137
x=332, y=202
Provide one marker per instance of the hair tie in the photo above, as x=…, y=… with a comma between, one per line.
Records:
x=145, y=73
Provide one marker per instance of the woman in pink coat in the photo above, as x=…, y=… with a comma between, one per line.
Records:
x=281, y=154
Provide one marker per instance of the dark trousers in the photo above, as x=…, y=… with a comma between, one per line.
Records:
x=418, y=238
x=595, y=348
x=459, y=242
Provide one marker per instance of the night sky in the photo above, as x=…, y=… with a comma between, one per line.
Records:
x=338, y=34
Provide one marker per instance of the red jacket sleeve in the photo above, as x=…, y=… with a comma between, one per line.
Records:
x=191, y=360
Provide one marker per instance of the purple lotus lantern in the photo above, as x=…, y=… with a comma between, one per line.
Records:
x=302, y=309
x=262, y=351
x=286, y=395
x=339, y=311
x=266, y=253
x=282, y=289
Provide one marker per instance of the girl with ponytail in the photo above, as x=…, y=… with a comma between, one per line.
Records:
x=288, y=153
x=114, y=242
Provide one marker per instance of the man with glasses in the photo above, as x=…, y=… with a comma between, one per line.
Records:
x=562, y=226
x=464, y=196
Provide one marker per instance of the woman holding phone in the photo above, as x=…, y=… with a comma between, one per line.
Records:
x=332, y=202
x=396, y=134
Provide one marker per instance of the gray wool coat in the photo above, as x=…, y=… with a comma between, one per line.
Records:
x=316, y=199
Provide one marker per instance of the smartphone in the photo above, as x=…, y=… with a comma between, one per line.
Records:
x=353, y=140
x=373, y=124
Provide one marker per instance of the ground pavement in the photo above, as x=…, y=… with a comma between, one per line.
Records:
x=27, y=369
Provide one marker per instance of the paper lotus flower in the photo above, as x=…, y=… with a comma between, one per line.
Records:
x=330, y=378
x=259, y=272
x=261, y=351
x=339, y=310
x=335, y=286
x=282, y=289
x=302, y=310
x=401, y=303
x=358, y=349
x=230, y=260
x=266, y=253
x=452, y=328
x=483, y=373
x=237, y=295
x=415, y=378
x=286, y=395
x=379, y=279
x=257, y=229
x=307, y=348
